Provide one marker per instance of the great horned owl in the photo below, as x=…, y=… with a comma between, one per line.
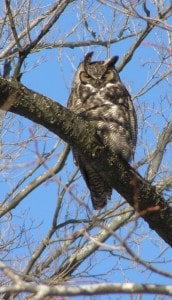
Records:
x=98, y=95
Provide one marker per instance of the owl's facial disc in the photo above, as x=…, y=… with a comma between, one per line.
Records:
x=85, y=77
x=97, y=81
x=108, y=75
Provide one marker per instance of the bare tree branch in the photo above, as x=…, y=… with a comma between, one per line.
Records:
x=35, y=183
x=12, y=23
x=10, y=50
x=142, y=36
x=60, y=7
x=164, y=184
x=41, y=291
x=72, y=263
x=164, y=139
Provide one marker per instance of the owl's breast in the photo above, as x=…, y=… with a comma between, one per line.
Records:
x=84, y=91
x=109, y=101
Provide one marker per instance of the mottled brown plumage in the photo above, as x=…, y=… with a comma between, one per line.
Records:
x=98, y=95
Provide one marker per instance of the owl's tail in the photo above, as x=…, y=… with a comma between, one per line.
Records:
x=100, y=191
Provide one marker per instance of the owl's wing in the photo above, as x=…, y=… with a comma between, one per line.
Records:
x=100, y=191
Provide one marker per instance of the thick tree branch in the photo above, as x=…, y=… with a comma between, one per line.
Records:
x=74, y=130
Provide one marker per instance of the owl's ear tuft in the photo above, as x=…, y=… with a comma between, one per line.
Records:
x=88, y=57
x=111, y=61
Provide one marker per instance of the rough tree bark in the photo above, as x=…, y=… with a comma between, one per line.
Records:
x=140, y=194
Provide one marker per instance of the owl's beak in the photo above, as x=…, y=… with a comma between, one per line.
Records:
x=97, y=81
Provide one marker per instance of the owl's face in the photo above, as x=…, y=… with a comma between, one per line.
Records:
x=98, y=74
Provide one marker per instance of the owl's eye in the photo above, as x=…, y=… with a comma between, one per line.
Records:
x=85, y=78
x=108, y=76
